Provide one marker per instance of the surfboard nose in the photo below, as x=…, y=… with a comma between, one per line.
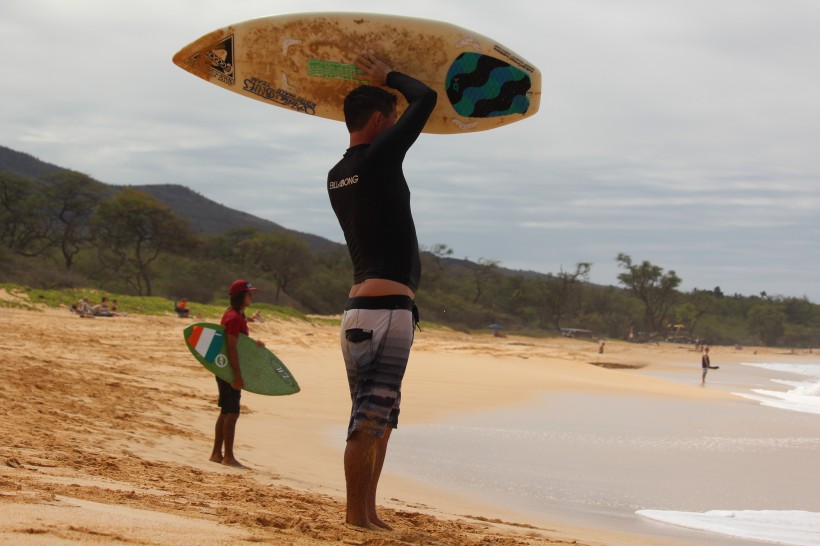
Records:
x=208, y=56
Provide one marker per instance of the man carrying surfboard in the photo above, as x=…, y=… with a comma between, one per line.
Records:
x=235, y=323
x=371, y=199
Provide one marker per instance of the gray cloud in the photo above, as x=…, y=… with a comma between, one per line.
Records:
x=681, y=133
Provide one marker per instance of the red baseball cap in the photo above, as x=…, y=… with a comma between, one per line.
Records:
x=241, y=286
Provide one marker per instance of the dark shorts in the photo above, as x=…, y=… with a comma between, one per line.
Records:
x=376, y=337
x=228, y=397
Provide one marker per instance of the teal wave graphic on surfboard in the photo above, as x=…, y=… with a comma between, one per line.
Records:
x=480, y=86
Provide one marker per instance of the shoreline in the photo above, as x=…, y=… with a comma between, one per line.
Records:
x=115, y=412
x=730, y=446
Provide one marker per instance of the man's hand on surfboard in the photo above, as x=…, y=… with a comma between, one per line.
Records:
x=374, y=68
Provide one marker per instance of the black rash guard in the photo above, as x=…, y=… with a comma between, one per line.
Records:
x=369, y=194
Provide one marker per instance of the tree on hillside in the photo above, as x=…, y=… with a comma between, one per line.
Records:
x=767, y=321
x=328, y=283
x=132, y=230
x=685, y=314
x=566, y=289
x=703, y=302
x=433, y=264
x=226, y=246
x=557, y=296
x=483, y=273
x=23, y=224
x=655, y=289
x=71, y=200
x=693, y=307
x=282, y=255
x=611, y=310
x=800, y=311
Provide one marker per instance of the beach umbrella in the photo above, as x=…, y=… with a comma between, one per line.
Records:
x=495, y=326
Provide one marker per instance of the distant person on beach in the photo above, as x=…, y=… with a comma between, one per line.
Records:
x=235, y=323
x=371, y=200
x=115, y=309
x=181, y=308
x=83, y=308
x=102, y=309
x=706, y=364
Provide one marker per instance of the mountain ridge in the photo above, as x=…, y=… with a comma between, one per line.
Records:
x=205, y=216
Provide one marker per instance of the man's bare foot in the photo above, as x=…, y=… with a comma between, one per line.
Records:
x=380, y=524
x=368, y=526
x=232, y=462
x=371, y=522
x=216, y=458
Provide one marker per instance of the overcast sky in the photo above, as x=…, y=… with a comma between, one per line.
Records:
x=685, y=133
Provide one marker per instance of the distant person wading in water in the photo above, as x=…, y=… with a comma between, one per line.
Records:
x=706, y=364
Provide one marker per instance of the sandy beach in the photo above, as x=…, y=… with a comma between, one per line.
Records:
x=108, y=425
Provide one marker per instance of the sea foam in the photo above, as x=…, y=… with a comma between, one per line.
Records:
x=802, y=396
x=777, y=526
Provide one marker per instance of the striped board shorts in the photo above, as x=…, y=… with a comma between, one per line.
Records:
x=376, y=336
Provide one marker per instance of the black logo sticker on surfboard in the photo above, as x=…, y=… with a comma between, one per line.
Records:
x=480, y=86
x=278, y=96
x=218, y=59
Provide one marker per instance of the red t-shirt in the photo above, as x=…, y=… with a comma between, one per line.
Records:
x=234, y=323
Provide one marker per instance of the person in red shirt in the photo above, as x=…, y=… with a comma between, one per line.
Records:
x=235, y=323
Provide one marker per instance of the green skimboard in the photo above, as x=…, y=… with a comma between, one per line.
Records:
x=262, y=371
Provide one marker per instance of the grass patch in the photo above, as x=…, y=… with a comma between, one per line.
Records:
x=325, y=321
x=34, y=299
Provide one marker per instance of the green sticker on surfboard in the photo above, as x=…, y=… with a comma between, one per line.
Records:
x=262, y=371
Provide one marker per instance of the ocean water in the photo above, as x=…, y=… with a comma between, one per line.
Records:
x=655, y=466
x=796, y=527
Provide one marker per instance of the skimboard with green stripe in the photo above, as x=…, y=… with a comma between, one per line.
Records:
x=304, y=62
x=262, y=371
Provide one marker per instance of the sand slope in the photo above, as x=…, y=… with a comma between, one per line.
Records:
x=107, y=427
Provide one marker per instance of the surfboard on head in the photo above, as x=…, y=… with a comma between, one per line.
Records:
x=304, y=62
x=262, y=371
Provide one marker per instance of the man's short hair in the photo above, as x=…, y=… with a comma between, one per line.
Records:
x=360, y=104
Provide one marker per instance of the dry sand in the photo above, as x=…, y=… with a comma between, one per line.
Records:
x=107, y=427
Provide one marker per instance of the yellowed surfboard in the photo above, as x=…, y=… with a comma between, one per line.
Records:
x=305, y=62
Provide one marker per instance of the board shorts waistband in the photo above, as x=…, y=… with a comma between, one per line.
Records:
x=385, y=302
x=380, y=302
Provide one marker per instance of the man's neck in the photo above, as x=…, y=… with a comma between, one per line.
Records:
x=360, y=137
